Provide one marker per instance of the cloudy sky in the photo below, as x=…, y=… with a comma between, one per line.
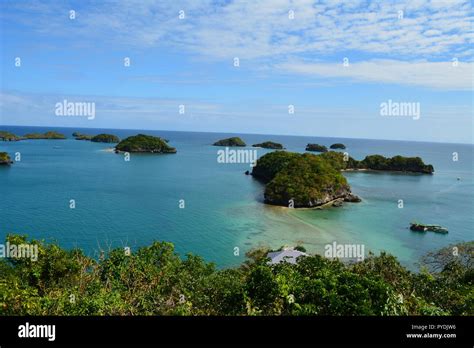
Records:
x=334, y=61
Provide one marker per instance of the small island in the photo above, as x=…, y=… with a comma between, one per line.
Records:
x=105, y=138
x=234, y=141
x=47, y=135
x=269, y=145
x=338, y=146
x=145, y=144
x=5, y=159
x=301, y=180
x=80, y=136
x=316, y=148
x=7, y=136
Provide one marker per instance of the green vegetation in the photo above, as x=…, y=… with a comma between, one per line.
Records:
x=7, y=136
x=144, y=143
x=306, y=179
x=47, y=135
x=269, y=145
x=105, y=138
x=154, y=280
x=338, y=146
x=316, y=148
x=5, y=159
x=80, y=136
x=234, y=141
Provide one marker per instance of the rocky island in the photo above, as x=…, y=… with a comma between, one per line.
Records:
x=5, y=159
x=144, y=143
x=7, y=136
x=234, y=141
x=269, y=145
x=80, y=136
x=105, y=138
x=316, y=148
x=301, y=180
x=47, y=135
x=338, y=146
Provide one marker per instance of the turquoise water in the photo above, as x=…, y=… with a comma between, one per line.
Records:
x=121, y=203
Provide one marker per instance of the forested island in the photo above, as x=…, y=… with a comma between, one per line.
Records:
x=5, y=159
x=338, y=146
x=269, y=145
x=308, y=180
x=7, y=136
x=234, y=141
x=316, y=148
x=154, y=280
x=100, y=138
x=145, y=144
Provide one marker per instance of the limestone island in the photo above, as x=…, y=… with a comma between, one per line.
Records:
x=234, y=141
x=5, y=159
x=105, y=138
x=316, y=148
x=47, y=135
x=338, y=146
x=301, y=180
x=80, y=136
x=144, y=143
x=7, y=136
x=269, y=145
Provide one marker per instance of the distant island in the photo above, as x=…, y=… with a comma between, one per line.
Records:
x=301, y=180
x=316, y=148
x=378, y=163
x=234, y=141
x=7, y=136
x=144, y=143
x=105, y=138
x=5, y=159
x=47, y=135
x=338, y=146
x=269, y=145
x=100, y=138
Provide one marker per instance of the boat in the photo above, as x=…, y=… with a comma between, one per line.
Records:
x=415, y=226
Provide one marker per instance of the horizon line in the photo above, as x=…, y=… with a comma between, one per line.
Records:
x=215, y=132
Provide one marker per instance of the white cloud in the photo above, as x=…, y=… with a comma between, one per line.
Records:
x=441, y=75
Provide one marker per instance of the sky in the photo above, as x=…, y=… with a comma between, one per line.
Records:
x=334, y=62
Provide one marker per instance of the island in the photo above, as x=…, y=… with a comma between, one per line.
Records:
x=234, y=141
x=47, y=135
x=301, y=180
x=5, y=159
x=7, y=136
x=316, y=148
x=338, y=146
x=144, y=143
x=269, y=145
x=80, y=136
x=106, y=138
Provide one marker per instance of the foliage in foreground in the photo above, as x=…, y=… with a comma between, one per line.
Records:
x=155, y=281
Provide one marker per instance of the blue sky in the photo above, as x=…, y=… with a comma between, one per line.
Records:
x=403, y=57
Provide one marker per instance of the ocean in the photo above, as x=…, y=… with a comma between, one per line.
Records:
x=213, y=209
